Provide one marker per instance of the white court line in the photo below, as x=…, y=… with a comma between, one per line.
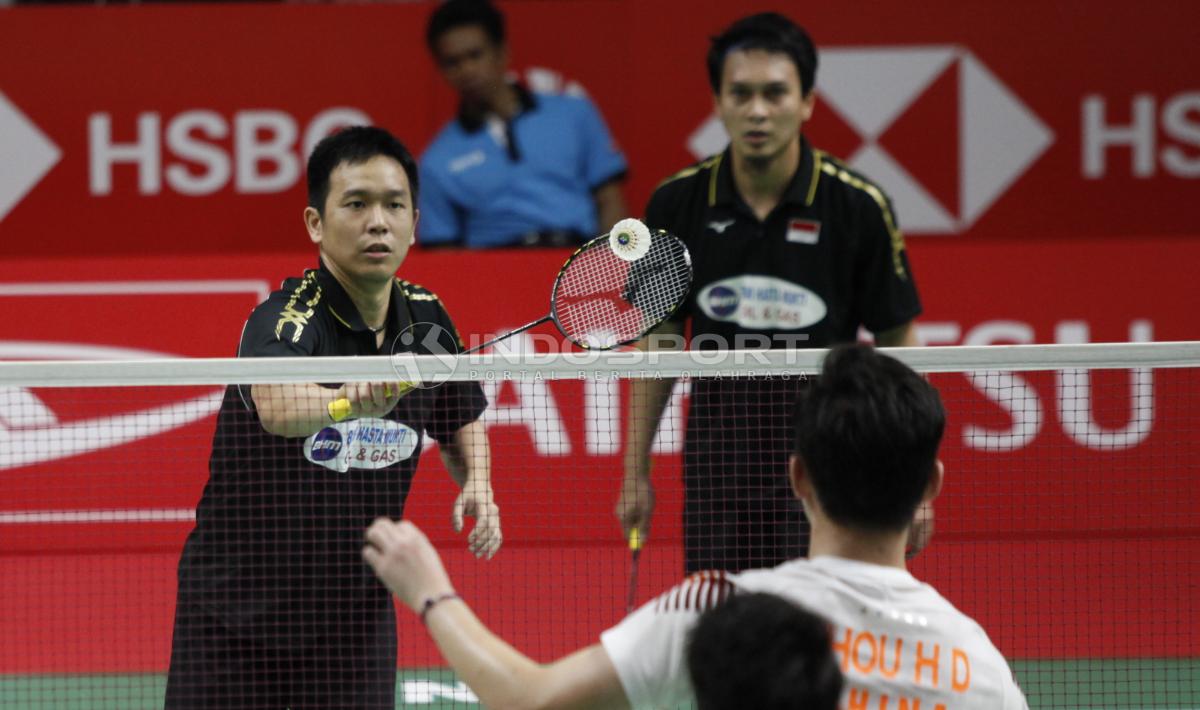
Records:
x=141, y=515
x=258, y=287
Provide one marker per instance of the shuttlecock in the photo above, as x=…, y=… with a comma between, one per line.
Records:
x=629, y=239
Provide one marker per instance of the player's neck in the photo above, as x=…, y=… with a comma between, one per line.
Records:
x=372, y=304
x=878, y=548
x=370, y=298
x=762, y=182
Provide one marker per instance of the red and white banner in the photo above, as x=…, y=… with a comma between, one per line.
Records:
x=184, y=129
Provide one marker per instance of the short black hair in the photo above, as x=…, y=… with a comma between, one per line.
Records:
x=867, y=431
x=761, y=651
x=354, y=146
x=464, y=13
x=770, y=32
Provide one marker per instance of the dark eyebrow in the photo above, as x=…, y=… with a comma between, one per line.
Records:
x=363, y=192
x=753, y=84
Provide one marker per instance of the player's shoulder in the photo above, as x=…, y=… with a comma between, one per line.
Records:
x=837, y=176
x=291, y=310
x=696, y=174
x=415, y=292
x=688, y=185
x=424, y=303
x=294, y=293
x=697, y=593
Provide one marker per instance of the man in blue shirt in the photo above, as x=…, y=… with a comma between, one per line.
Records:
x=515, y=168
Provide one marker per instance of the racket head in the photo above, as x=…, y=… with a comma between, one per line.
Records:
x=602, y=301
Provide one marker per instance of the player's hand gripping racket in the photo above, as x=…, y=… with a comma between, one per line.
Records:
x=616, y=288
x=635, y=552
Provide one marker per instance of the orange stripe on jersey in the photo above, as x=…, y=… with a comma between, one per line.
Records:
x=699, y=592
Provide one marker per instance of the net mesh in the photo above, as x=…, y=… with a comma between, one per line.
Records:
x=1067, y=526
x=602, y=299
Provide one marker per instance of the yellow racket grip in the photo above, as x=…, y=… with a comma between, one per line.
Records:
x=339, y=409
x=635, y=540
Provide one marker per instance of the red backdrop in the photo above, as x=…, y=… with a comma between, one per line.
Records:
x=150, y=194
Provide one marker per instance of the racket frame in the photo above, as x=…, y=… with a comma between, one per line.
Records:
x=595, y=243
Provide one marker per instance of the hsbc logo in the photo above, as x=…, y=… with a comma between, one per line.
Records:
x=872, y=90
x=26, y=154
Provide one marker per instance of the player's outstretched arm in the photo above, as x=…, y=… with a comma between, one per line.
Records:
x=468, y=459
x=500, y=675
x=647, y=400
x=296, y=410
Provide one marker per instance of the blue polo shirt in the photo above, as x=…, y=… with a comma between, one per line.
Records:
x=490, y=183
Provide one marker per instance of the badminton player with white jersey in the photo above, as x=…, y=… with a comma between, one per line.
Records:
x=865, y=458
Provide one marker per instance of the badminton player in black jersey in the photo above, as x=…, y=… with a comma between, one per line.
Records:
x=791, y=248
x=275, y=607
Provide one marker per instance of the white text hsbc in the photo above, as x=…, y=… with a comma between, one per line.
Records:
x=188, y=151
x=1145, y=132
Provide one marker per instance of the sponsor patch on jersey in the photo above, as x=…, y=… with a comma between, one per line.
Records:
x=361, y=443
x=803, y=231
x=326, y=445
x=762, y=302
x=722, y=301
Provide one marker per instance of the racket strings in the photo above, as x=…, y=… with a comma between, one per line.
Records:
x=602, y=300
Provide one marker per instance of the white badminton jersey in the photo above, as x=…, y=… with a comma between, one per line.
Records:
x=896, y=639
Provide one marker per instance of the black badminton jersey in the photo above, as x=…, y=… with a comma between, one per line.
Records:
x=276, y=548
x=826, y=260
x=829, y=258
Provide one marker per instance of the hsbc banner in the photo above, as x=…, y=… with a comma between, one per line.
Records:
x=184, y=129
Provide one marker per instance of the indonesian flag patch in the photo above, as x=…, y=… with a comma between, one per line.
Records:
x=803, y=231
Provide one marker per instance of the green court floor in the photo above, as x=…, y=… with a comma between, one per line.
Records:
x=1144, y=684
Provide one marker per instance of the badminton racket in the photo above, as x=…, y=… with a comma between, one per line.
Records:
x=616, y=288
x=612, y=291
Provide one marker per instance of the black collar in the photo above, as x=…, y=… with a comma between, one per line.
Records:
x=472, y=121
x=399, y=316
x=800, y=190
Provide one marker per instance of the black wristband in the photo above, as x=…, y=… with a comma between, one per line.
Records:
x=431, y=602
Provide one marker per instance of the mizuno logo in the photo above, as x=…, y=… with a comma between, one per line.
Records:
x=720, y=227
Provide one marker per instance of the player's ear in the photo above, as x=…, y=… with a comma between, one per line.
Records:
x=798, y=476
x=312, y=222
x=412, y=238
x=807, y=105
x=934, y=487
